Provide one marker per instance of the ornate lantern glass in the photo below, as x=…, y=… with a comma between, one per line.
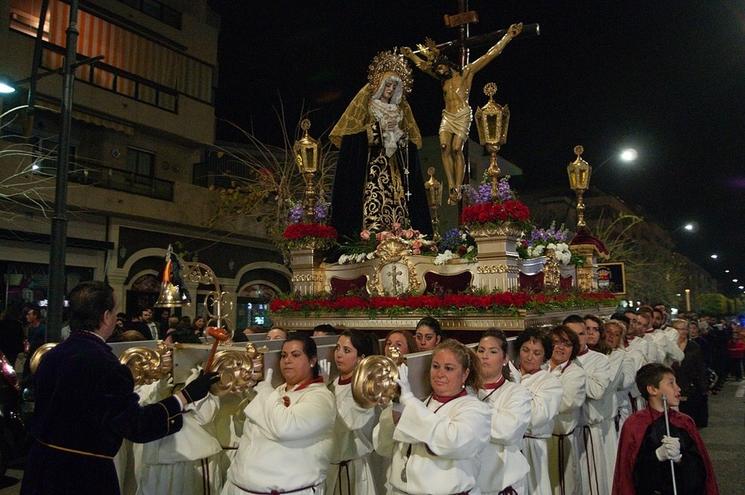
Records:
x=307, y=151
x=579, y=171
x=492, y=120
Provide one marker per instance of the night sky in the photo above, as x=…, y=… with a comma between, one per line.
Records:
x=666, y=77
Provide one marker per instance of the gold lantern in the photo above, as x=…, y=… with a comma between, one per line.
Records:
x=433, y=188
x=579, y=172
x=492, y=121
x=307, y=156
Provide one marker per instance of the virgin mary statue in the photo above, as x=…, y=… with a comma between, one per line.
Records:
x=378, y=182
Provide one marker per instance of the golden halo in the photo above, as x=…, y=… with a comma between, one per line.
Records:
x=389, y=62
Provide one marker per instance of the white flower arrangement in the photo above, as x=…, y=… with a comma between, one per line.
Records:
x=444, y=257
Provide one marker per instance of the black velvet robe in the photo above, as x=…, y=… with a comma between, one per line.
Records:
x=85, y=402
x=349, y=183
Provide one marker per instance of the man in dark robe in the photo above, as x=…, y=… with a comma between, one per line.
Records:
x=645, y=450
x=85, y=405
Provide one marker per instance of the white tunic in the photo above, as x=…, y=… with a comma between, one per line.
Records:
x=630, y=359
x=546, y=393
x=655, y=354
x=128, y=460
x=186, y=462
x=502, y=462
x=562, y=447
x=284, y=447
x=435, y=447
x=349, y=472
x=594, y=423
x=668, y=343
x=639, y=350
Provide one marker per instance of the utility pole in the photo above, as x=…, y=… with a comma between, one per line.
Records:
x=57, y=253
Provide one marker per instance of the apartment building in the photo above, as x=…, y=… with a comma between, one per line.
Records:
x=142, y=119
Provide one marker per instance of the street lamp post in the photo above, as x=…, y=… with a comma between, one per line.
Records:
x=59, y=219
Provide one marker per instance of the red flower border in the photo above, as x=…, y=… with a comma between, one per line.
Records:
x=297, y=231
x=512, y=209
x=498, y=301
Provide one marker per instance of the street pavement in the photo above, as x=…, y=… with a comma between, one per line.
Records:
x=724, y=437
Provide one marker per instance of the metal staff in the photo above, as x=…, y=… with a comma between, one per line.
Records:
x=667, y=429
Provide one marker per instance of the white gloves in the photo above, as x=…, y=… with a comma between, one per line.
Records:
x=403, y=382
x=325, y=369
x=265, y=385
x=669, y=450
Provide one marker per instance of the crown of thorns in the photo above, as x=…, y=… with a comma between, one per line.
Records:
x=390, y=62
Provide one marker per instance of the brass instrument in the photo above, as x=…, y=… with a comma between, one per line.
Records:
x=239, y=371
x=374, y=379
x=39, y=354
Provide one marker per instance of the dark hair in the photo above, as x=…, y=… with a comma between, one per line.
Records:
x=602, y=346
x=498, y=334
x=325, y=327
x=433, y=324
x=595, y=319
x=309, y=348
x=365, y=343
x=562, y=332
x=147, y=308
x=537, y=334
x=88, y=303
x=410, y=341
x=651, y=374
x=35, y=310
x=573, y=319
x=467, y=358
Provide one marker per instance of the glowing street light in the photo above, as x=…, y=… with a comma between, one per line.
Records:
x=5, y=88
x=628, y=155
x=726, y=271
x=714, y=256
x=735, y=280
x=741, y=287
x=689, y=227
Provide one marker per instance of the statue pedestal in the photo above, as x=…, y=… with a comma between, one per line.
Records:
x=587, y=279
x=498, y=265
x=307, y=273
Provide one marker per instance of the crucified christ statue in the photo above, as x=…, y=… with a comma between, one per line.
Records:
x=457, y=116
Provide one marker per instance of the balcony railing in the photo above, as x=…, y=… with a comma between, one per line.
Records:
x=90, y=173
x=219, y=172
x=116, y=80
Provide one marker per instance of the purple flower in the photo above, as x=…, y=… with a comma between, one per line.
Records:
x=504, y=192
x=296, y=213
x=321, y=211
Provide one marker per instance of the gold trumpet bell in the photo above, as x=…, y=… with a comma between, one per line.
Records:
x=172, y=296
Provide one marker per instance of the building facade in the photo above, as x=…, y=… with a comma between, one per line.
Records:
x=142, y=118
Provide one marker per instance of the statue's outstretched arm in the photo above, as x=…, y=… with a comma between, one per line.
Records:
x=420, y=63
x=493, y=52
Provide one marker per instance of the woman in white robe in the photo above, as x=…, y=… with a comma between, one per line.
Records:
x=286, y=442
x=534, y=348
x=595, y=418
x=187, y=462
x=503, y=466
x=349, y=472
x=562, y=448
x=436, y=445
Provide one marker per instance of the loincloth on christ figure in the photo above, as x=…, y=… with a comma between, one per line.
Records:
x=458, y=122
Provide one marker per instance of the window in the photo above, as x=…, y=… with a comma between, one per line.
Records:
x=157, y=10
x=140, y=162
